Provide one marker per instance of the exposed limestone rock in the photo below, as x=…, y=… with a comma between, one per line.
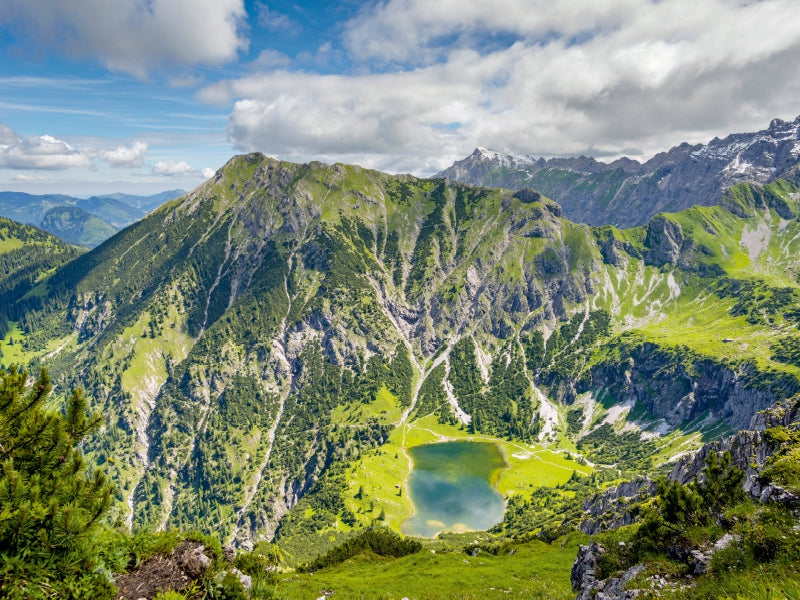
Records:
x=611, y=509
x=664, y=239
x=584, y=580
x=678, y=386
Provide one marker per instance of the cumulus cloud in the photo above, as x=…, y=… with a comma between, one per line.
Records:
x=7, y=135
x=130, y=35
x=171, y=167
x=208, y=173
x=542, y=77
x=127, y=156
x=43, y=152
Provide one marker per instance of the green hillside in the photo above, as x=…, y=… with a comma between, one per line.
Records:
x=28, y=256
x=76, y=226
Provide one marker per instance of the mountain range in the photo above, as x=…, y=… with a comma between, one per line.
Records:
x=82, y=221
x=267, y=339
x=627, y=193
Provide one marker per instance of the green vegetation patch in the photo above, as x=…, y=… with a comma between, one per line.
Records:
x=530, y=570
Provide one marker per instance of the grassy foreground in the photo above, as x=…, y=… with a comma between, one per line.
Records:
x=529, y=570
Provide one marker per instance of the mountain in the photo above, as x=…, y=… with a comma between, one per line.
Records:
x=116, y=213
x=100, y=216
x=628, y=193
x=29, y=209
x=143, y=203
x=76, y=226
x=27, y=257
x=267, y=347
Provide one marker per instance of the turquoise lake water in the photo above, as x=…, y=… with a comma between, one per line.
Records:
x=452, y=488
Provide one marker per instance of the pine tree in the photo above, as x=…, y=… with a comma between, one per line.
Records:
x=51, y=507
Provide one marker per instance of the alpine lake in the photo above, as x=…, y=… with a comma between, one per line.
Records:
x=452, y=487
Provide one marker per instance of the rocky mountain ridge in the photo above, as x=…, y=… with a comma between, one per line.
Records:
x=628, y=193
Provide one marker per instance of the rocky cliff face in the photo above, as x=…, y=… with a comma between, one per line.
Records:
x=611, y=508
x=678, y=386
x=627, y=193
x=750, y=451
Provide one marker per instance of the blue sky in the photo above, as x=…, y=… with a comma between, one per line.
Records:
x=140, y=96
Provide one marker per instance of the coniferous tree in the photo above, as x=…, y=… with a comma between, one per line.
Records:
x=51, y=506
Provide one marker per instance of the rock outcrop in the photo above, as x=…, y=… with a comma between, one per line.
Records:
x=612, y=508
x=584, y=577
x=678, y=386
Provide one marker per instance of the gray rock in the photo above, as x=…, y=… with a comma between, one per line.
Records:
x=247, y=581
x=700, y=562
x=192, y=559
x=584, y=568
x=725, y=541
x=611, y=508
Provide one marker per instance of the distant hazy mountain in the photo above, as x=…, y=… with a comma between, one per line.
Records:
x=627, y=193
x=98, y=219
x=143, y=203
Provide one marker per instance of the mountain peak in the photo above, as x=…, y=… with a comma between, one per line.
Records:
x=627, y=193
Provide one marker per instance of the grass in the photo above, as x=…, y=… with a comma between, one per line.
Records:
x=372, y=487
x=9, y=244
x=532, y=468
x=15, y=354
x=385, y=408
x=705, y=325
x=531, y=570
x=147, y=357
x=761, y=583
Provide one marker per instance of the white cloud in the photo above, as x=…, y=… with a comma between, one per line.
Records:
x=572, y=77
x=7, y=135
x=28, y=178
x=44, y=152
x=127, y=156
x=171, y=167
x=418, y=31
x=133, y=36
x=275, y=21
x=208, y=173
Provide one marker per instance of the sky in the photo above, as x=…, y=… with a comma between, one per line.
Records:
x=140, y=96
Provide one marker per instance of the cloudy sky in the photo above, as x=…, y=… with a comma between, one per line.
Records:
x=140, y=96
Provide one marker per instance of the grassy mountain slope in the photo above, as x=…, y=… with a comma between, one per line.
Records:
x=28, y=256
x=284, y=330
